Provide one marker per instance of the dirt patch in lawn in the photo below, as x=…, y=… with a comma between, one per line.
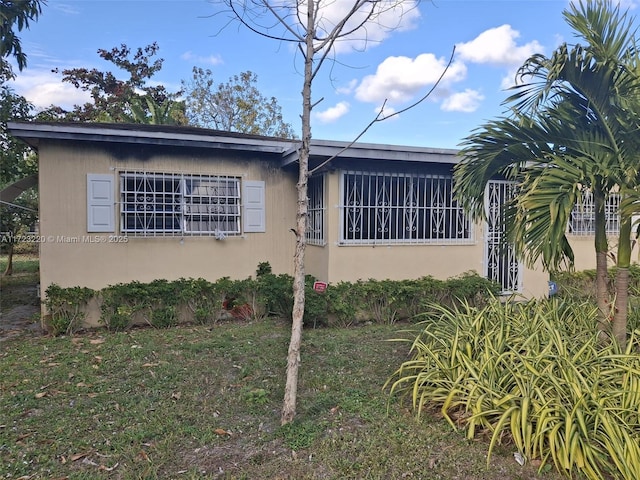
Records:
x=18, y=320
x=19, y=306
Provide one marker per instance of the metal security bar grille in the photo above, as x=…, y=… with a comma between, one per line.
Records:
x=583, y=215
x=384, y=208
x=315, y=212
x=165, y=204
x=212, y=205
x=501, y=263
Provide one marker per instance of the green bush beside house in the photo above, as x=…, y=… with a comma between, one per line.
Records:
x=163, y=303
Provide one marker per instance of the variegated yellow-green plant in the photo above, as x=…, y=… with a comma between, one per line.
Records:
x=534, y=375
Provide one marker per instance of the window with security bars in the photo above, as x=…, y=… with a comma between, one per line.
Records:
x=583, y=215
x=401, y=208
x=315, y=211
x=179, y=204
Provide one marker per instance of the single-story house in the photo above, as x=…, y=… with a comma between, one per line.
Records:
x=125, y=202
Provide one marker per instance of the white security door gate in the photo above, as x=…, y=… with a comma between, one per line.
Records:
x=500, y=263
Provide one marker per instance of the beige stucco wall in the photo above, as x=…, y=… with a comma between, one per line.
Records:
x=317, y=262
x=68, y=259
x=535, y=282
x=354, y=262
x=584, y=251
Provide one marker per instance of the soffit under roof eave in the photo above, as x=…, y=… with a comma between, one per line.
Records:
x=32, y=133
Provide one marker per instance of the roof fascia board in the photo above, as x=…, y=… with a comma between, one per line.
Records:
x=374, y=151
x=96, y=134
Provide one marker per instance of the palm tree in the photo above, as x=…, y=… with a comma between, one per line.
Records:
x=573, y=126
x=154, y=112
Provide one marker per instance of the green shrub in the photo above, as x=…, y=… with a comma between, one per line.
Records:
x=263, y=269
x=164, y=317
x=470, y=288
x=276, y=291
x=67, y=307
x=387, y=301
x=582, y=284
x=122, y=302
x=120, y=319
x=202, y=316
x=533, y=374
x=341, y=304
x=380, y=299
x=576, y=285
x=315, y=305
x=202, y=299
x=242, y=298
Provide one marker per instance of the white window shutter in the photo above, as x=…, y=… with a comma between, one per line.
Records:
x=100, y=203
x=254, y=206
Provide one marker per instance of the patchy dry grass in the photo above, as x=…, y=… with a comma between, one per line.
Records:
x=204, y=403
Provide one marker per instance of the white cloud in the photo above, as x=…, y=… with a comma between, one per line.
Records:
x=348, y=88
x=65, y=8
x=467, y=101
x=497, y=46
x=44, y=88
x=399, y=79
x=391, y=16
x=333, y=113
x=198, y=59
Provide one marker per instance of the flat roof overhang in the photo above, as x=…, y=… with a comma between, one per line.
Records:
x=32, y=133
x=286, y=150
x=322, y=150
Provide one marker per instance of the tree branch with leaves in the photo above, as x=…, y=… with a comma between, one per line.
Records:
x=16, y=15
x=233, y=106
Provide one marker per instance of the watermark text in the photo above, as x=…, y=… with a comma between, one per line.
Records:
x=11, y=238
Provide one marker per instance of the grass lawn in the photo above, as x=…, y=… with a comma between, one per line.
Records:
x=204, y=402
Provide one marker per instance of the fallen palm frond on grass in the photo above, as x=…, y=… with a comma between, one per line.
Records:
x=533, y=374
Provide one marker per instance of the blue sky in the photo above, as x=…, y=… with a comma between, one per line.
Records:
x=492, y=38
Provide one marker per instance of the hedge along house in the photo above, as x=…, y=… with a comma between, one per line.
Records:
x=142, y=202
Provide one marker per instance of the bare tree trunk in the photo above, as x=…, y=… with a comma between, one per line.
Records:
x=293, y=357
x=9, y=270
x=602, y=274
x=602, y=295
x=619, y=324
